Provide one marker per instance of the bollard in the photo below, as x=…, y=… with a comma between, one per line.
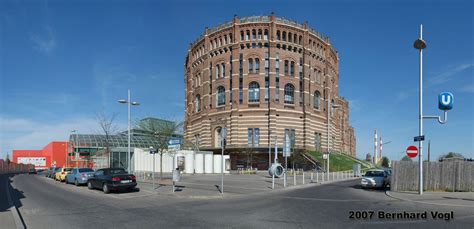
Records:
x=322, y=176
x=333, y=176
x=316, y=176
x=294, y=178
x=311, y=177
x=303, y=177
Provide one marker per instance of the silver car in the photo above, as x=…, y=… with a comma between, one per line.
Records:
x=375, y=178
x=79, y=176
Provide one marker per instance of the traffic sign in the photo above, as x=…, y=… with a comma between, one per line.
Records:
x=412, y=151
x=419, y=138
x=286, y=146
x=445, y=101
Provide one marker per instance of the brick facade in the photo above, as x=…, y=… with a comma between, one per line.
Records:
x=226, y=57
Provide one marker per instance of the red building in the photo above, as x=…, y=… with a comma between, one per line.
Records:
x=53, y=152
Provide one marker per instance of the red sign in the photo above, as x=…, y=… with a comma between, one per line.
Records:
x=412, y=151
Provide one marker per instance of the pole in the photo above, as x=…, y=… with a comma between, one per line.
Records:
x=329, y=134
x=153, y=175
x=129, y=103
x=420, y=119
x=222, y=170
x=269, y=152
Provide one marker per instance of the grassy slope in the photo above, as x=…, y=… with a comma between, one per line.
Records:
x=339, y=162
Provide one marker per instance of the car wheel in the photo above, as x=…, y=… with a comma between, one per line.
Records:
x=75, y=182
x=105, y=188
x=89, y=185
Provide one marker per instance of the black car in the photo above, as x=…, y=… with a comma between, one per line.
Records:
x=32, y=171
x=112, y=179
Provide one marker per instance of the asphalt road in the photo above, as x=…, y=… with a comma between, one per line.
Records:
x=44, y=203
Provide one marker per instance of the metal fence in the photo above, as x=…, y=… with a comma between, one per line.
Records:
x=448, y=175
x=12, y=167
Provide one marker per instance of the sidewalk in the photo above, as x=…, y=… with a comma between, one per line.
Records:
x=208, y=185
x=457, y=199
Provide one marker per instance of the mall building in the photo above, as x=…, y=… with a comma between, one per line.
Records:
x=261, y=77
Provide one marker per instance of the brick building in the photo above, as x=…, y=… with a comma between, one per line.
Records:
x=259, y=75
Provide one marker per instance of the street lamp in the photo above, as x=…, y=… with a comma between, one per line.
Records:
x=129, y=103
x=335, y=106
x=74, y=146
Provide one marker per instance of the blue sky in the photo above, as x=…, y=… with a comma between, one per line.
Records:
x=62, y=63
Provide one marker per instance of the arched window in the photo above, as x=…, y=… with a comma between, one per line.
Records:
x=286, y=67
x=241, y=35
x=289, y=94
x=254, y=34
x=278, y=35
x=248, y=35
x=223, y=70
x=254, y=92
x=220, y=96
x=217, y=71
x=225, y=39
x=259, y=34
x=265, y=35
x=257, y=65
x=295, y=38
x=230, y=38
x=283, y=36
x=198, y=103
x=290, y=37
x=250, y=65
x=317, y=100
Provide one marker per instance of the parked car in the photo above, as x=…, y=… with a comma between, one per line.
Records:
x=32, y=171
x=79, y=176
x=375, y=178
x=112, y=179
x=52, y=172
x=61, y=174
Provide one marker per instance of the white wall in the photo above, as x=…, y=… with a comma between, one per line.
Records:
x=204, y=162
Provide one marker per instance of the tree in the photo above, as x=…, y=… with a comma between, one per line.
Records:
x=108, y=128
x=7, y=158
x=385, y=162
x=451, y=155
x=161, y=131
x=406, y=158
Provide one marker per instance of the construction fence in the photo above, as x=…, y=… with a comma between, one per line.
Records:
x=448, y=175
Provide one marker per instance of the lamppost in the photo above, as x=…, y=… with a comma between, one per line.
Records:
x=129, y=103
x=330, y=106
x=223, y=143
x=76, y=152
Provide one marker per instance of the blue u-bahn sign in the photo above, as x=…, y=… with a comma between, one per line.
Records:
x=445, y=101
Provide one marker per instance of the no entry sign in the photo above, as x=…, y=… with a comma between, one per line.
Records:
x=412, y=151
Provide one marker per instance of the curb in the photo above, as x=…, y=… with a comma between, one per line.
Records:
x=423, y=202
x=14, y=210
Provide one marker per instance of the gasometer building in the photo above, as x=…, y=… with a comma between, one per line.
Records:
x=259, y=77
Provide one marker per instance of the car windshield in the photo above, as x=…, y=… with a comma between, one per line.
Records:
x=58, y=169
x=374, y=174
x=86, y=170
x=117, y=171
x=67, y=169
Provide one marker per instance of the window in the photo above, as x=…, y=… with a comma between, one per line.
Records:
x=223, y=70
x=277, y=78
x=265, y=35
x=217, y=71
x=253, y=137
x=292, y=68
x=278, y=35
x=289, y=94
x=254, y=35
x=250, y=66
x=259, y=34
x=241, y=76
x=286, y=67
x=198, y=103
x=290, y=37
x=220, y=96
x=291, y=135
x=241, y=35
x=283, y=36
x=317, y=141
x=257, y=65
x=248, y=36
x=254, y=92
x=317, y=100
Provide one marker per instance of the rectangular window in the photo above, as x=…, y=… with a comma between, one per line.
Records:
x=265, y=36
x=286, y=67
x=292, y=68
x=277, y=78
x=253, y=137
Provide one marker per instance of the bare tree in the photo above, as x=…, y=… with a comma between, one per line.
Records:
x=108, y=128
x=161, y=131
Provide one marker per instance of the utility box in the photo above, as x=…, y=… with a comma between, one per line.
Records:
x=176, y=175
x=356, y=169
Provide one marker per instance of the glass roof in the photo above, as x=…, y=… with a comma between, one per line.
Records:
x=100, y=141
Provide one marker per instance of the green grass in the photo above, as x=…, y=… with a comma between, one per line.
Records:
x=339, y=162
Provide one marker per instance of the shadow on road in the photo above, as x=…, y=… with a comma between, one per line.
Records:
x=15, y=194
